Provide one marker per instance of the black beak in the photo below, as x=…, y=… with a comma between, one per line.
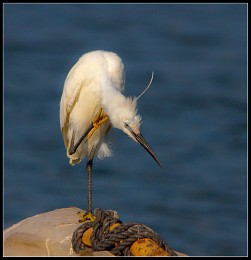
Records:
x=140, y=139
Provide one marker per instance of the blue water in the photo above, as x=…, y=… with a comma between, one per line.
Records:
x=194, y=117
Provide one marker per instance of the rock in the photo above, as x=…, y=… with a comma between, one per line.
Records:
x=47, y=234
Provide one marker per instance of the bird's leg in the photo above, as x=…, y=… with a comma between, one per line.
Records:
x=88, y=215
x=73, y=148
x=89, y=184
x=99, y=120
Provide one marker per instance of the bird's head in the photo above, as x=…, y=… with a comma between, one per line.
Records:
x=128, y=120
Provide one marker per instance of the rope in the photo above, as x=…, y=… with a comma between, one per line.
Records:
x=119, y=239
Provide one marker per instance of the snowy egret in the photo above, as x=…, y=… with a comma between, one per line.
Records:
x=92, y=102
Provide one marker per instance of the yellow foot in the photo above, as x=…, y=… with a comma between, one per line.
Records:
x=99, y=120
x=85, y=217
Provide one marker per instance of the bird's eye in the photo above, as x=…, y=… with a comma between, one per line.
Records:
x=127, y=126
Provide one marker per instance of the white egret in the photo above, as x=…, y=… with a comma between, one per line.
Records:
x=92, y=102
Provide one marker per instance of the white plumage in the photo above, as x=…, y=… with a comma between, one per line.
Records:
x=95, y=81
x=94, y=84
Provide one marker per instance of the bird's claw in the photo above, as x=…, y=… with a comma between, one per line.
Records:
x=99, y=120
x=85, y=217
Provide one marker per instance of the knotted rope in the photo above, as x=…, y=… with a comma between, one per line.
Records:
x=110, y=234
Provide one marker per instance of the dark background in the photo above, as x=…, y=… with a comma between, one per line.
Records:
x=194, y=117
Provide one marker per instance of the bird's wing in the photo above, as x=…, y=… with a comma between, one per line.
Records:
x=96, y=71
x=72, y=88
